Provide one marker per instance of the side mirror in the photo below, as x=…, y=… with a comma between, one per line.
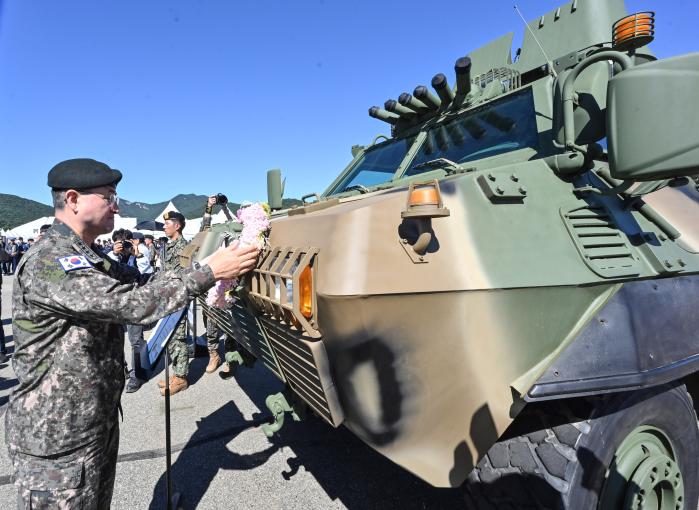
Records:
x=275, y=189
x=356, y=149
x=653, y=120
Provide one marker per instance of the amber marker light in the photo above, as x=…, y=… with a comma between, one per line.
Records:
x=424, y=201
x=306, y=292
x=633, y=31
x=424, y=196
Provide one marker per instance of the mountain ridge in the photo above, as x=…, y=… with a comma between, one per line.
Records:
x=16, y=210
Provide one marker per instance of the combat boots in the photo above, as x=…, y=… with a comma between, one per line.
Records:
x=177, y=384
x=214, y=362
x=161, y=382
x=227, y=371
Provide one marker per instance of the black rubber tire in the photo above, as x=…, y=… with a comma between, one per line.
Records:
x=555, y=455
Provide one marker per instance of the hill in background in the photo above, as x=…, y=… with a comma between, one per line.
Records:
x=191, y=205
x=16, y=210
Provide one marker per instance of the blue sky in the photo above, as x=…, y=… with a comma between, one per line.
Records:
x=204, y=96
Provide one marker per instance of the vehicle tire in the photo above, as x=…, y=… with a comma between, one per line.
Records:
x=599, y=452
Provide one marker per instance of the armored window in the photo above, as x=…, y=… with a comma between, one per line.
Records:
x=377, y=165
x=506, y=125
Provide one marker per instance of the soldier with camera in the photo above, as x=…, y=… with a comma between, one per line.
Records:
x=213, y=332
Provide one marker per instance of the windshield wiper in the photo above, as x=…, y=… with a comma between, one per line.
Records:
x=357, y=187
x=448, y=165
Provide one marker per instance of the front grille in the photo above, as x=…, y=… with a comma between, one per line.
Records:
x=274, y=287
x=242, y=326
x=288, y=343
x=305, y=364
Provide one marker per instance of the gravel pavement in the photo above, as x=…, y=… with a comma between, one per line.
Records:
x=221, y=459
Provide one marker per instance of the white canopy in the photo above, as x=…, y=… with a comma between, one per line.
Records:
x=29, y=230
x=169, y=207
x=192, y=227
x=120, y=222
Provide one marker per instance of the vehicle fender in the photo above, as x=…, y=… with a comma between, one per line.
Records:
x=645, y=335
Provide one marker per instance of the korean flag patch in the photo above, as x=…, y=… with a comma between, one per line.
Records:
x=73, y=262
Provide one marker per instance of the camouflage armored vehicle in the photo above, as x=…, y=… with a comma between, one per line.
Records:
x=503, y=293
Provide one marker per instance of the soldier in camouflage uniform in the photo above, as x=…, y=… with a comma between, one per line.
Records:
x=213, y=332
x=177, y=348
x=69, y=304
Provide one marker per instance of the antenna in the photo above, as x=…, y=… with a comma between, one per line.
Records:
x=549, y=62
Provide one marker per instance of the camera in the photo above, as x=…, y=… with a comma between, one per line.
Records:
x=221, y=199
x=127, y=245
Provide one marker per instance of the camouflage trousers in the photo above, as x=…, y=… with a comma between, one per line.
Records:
x=178, y=350
x=82, y=479
x=213, y=332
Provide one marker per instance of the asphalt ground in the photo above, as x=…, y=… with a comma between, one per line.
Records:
x=221, y=458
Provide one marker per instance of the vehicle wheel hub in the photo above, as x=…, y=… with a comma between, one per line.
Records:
x=644, y=474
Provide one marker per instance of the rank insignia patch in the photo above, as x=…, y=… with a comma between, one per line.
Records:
x=73, y=262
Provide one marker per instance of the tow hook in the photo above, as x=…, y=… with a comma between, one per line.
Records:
x=278, y=405
x=234, y=360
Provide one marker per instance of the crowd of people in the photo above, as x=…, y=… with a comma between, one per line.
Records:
x=11, y=252
x=135, y=249
x=147, y=255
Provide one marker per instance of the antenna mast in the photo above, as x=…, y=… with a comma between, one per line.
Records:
x=549, y=62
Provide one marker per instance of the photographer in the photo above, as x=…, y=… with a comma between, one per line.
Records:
x=213, y=332
x=218, y=199
x=137, y=256
x=122, y=250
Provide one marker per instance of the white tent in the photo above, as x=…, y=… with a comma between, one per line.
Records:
x=169, y=207
x=220, y=217
x=10, y=234
x=30, y=230
x=120, y=222
x=193, y=226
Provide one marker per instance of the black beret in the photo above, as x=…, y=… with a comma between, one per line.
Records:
x=174, y=215
x=82, y=173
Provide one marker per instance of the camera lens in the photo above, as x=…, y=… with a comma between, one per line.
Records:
x=221, y=199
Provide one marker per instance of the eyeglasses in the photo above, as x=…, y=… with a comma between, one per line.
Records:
x=112, y=198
